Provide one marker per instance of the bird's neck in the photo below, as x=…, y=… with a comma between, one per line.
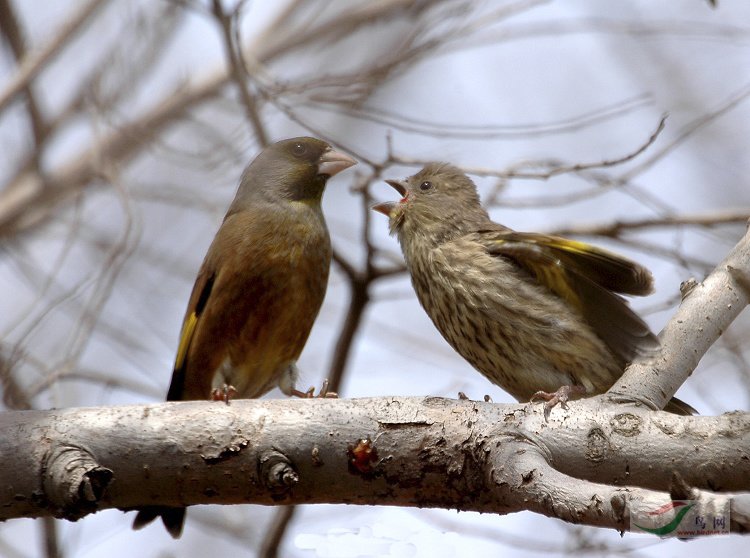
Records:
x=420, y=241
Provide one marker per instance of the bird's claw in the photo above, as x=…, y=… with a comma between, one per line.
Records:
x=310, y=393
x=561, y=396
x=463, y=397
x=224, y=393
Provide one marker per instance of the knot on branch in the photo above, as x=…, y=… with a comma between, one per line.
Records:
x=74, y=481
x=741, y=277
x=686, y=287
x=626, y=424
x=361, y=456
x=597, y=445
x=277, y=473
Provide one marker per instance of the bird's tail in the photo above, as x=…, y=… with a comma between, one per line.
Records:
x=173, y=518
x=679, y=407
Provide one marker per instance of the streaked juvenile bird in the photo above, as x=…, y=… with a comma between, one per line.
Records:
x=538, y=315
x=260, y=287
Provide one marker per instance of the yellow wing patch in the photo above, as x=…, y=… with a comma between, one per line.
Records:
x=186, y=336
x=555, y=278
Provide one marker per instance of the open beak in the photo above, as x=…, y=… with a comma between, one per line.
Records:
x=387, y=207
x=398, y=186
x=333, y=162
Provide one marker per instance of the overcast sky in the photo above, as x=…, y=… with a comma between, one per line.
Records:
x=577, y=81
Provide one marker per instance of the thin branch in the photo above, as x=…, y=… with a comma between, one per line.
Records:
x=615, y=229
x=10, y=27
x=48, y=528
x=275, y=533
x=348, y=269
x=556, y=170
x=359, y=299
x=237, y=68
x=38, y=59
x=25, y=203
x=406, y=123
x=727, y=106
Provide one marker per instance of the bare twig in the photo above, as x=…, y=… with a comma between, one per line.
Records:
x=35, y=62
x=49, y=534
x=688, y=131
x=411, y=124
x=237, y=69
x=556, y=170
x=275, y=533
x=707, y=219
x=11, y=29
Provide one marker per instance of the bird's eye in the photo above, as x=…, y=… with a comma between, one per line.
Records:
x=426, y=185
x=299, y=149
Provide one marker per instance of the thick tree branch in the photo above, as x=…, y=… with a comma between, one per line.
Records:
x=426, y=452
x=706, y=312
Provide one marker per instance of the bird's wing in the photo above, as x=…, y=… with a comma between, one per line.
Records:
x=606, y=269
x=198, y=299
x=585, y=277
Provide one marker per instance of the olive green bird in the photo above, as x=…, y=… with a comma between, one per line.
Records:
x=538, y=315
x=260, y=287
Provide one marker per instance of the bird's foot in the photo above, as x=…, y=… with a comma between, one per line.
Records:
x=310, y=393
x=561, y=396
x=463, y=397
x=224, y=393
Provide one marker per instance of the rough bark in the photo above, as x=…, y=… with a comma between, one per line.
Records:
x=590, y=464
x=593, y=463
x=706, y=311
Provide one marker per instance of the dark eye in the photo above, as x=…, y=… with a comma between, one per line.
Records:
x=426, y=185
x=299, y=149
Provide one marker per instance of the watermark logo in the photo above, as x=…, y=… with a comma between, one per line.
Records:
x=682, y=518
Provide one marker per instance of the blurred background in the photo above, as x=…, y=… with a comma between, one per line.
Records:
x=124, y=127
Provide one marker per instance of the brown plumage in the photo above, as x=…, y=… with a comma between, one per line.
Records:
x=531, y=312
x=260, y=287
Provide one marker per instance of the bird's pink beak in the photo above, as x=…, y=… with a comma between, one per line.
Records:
x=398, y=186
x=387, y=207
x=333, y=162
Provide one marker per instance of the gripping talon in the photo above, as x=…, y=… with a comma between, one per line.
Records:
x=224, y=393
x=310, y=393
x=561, y=396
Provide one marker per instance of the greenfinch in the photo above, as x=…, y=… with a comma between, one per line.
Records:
x=260, y=287
x=538, y=315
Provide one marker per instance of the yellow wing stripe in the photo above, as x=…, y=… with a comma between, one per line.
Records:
x=554, y=278
x=585, y=249
x=186, y=336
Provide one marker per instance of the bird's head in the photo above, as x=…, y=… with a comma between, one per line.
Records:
x=439, y=202
x=295, y=169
